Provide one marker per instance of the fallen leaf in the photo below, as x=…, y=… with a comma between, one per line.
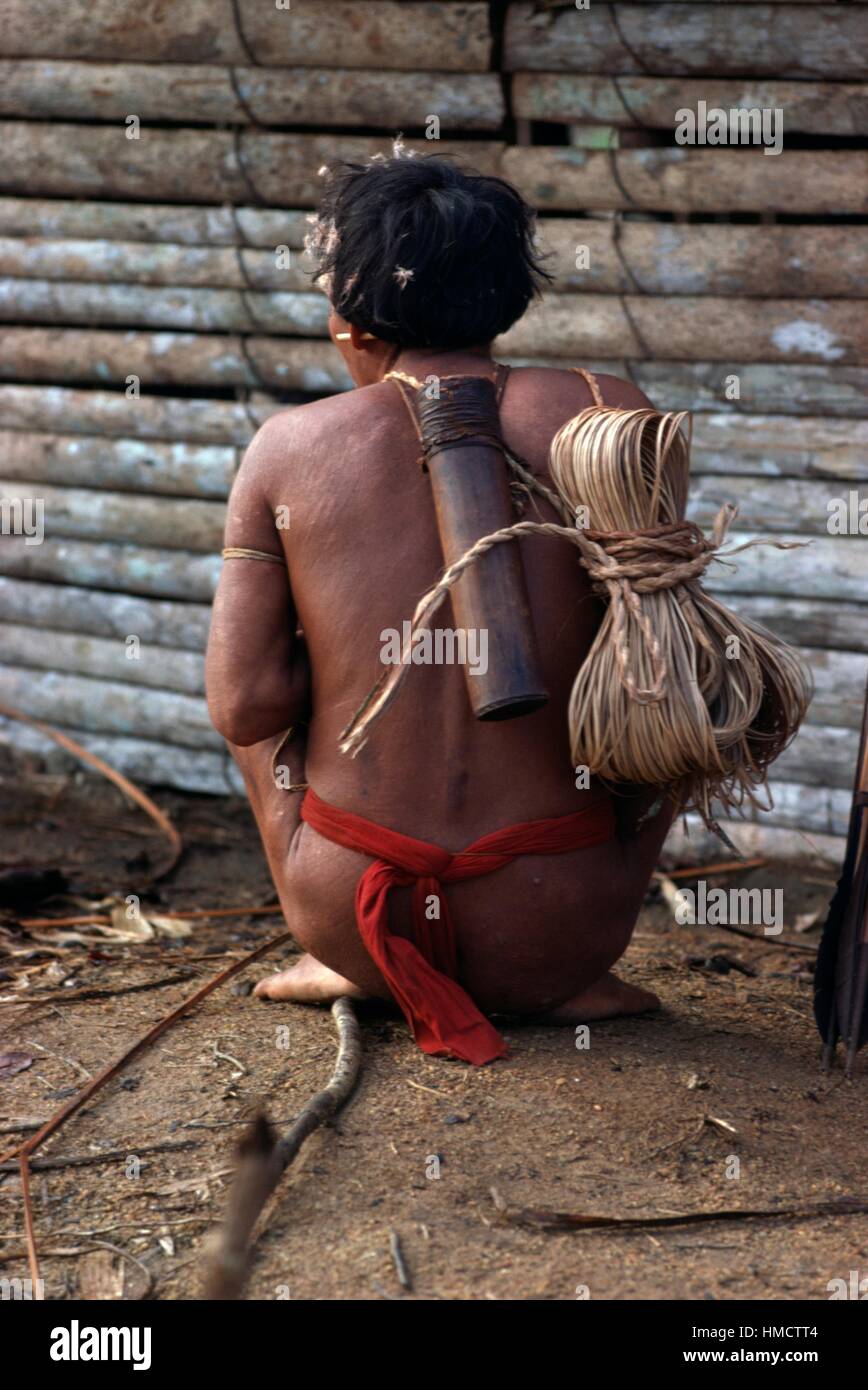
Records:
x=12, y=1062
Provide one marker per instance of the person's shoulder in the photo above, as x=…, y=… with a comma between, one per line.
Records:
x=295, y=422
x=300, y=437
x=616, y=391
x=291, y=431
x=300, y=423
x=569, y=384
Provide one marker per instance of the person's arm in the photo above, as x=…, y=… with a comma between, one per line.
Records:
x=256, y=670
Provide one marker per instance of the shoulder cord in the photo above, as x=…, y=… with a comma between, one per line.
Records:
x=592, y=383
x=402, y=382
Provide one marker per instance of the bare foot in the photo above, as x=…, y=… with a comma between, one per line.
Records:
x=307, y=982
x=607, y=997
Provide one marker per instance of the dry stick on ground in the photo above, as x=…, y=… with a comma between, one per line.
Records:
x=262, y=1161
x=103, y=919
x=399, y=1262
x=24, y=1152
x=126, y=786
x=725, y=866
x=83, y=996
x=42, y=1165
x=766, y=940
x=545, y=1220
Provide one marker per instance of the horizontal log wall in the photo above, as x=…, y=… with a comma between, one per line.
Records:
x=82, y=161
x=758, y=40
x=771, y=330
x=620, y=258
x=205, y=166
x=376, y=34
x=66, y=607
x=684, y=179
x=152, y=318
x=144, y=760
x=166, y=222
x=817, y=108
x=166, y=359
x=248, y=96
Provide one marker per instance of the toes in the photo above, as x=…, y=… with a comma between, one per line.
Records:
x=634, y=999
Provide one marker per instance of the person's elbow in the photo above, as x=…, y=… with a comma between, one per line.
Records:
x=244, y=722
x=255, y=700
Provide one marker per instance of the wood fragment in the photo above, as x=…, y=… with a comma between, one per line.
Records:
x=670, y=894
x=543, y=1219
x=104, y=1282
x=431, y=1090
x=766, y=940
x=22, y=1123
x=720, y=1124
x=45, y=1165
x=94, y=996
x=399, y=1262
x=270, y=910
x=262, y=1160
x=726, y=866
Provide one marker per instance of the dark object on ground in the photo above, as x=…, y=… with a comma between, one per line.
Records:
x=22, y=889
x=841, y=976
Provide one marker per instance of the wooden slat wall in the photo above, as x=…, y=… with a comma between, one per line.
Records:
x=684, y=268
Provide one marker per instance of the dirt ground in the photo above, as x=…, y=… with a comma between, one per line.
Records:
x=645, y=1121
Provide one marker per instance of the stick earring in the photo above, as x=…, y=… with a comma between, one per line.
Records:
x=344, y=337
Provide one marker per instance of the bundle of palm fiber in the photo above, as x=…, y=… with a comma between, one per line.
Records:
x=676, y=691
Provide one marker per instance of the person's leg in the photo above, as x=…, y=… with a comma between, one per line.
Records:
x=608, y=997
x=267, y=767
x=639, y=842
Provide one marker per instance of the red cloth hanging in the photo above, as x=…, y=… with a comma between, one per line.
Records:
x=422, y=973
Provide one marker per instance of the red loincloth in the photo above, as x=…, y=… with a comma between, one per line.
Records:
x=422, y=973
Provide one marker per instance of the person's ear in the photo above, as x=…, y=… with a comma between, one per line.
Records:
x=360, y=339
x=367, y=357
x=353, y=335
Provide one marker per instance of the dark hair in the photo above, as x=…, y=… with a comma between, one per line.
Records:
x=421, y=253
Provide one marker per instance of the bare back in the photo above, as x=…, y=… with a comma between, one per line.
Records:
x=361, y=549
